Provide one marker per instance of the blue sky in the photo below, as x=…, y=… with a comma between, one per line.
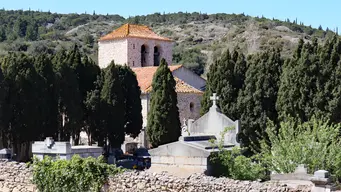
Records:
x=313, y=12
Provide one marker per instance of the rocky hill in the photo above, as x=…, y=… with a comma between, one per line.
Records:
x=199, y=37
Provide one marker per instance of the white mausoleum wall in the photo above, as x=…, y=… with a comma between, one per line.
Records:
x=189, y=105
x=112, y=50
x=145, y=108
x=134, y=51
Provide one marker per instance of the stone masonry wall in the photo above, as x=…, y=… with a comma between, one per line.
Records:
x=150, y=182
x=16, y=177
x=184, y=102
x=189, y=105
x=134, y=51
x=112, y=50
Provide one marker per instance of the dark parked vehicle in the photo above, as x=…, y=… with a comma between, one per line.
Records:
x=140, y=160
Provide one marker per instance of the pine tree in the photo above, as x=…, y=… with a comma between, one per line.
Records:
x=2, y=34
x=112, y=96
x=32, y=31
x=132, y=95
x=163, y=118
x=258, y=98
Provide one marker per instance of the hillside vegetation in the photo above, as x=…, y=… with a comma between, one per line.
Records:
x=200, y=38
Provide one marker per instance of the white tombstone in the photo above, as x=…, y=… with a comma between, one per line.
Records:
x=63, y=150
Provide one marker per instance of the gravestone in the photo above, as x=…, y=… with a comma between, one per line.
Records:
x=63, y=150
x=321, y=180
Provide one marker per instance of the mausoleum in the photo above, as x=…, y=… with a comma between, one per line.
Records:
x=194, y=146
x=63, y=150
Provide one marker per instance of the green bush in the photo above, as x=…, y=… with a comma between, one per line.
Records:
x=315, y=143
x=77, y=174
x=231, y=163
x=234, y=165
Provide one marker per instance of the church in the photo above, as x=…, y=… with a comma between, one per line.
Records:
x=141, y=49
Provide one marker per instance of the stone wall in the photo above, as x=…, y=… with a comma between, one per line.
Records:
x=189, y=105
x=16, y=177
x=150, y=182
x=134, y=51
x=112, y=50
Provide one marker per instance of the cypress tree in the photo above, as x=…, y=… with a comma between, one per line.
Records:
x=112, y=96
x=163, y=118
x=226, y=78
x=23, y=101
x=299, y=82
x=132, y=96
x=48, y=111
x=69, y=97
x=3, y=110
x=257, y=100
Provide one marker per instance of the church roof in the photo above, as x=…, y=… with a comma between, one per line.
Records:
x=145, y=75
x=130, y=30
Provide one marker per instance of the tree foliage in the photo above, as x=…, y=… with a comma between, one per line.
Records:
x=258, y=98
x=314, y=143
x=132, y=101
x=112, y=95
x=163, y=118
x=226, y=78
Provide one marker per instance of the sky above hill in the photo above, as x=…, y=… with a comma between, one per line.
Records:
x=311, y=12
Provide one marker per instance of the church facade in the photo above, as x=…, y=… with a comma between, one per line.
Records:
x=140, y=48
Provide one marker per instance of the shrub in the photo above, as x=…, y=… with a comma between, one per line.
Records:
x=77, y=174
x=236, y=166
x=314, y=143
x=231, y=163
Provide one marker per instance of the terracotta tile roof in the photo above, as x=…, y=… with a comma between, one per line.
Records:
x=129, y=30
x=145, y=75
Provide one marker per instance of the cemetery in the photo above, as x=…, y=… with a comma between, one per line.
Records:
x=116, y=126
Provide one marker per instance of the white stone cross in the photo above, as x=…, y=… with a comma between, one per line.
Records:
x=214, y=98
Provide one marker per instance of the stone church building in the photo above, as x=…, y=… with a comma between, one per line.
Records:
x=140, y=48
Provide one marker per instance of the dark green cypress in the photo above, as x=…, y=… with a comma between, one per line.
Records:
x=132, y=96
x=48, y=96
x=258, y=98
x=112, y=96
x=163, y=118
x=69, y=97
x=226, y=78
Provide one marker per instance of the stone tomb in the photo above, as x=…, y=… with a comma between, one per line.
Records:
x=194, y=146
x=63, y=150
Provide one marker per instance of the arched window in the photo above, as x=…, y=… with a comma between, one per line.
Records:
x=143, y=55
x=156, y=56
x=191, y=106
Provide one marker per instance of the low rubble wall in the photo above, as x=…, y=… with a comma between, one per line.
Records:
x=16, y=177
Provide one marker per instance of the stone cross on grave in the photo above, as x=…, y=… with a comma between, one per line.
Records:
x=214, y=98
